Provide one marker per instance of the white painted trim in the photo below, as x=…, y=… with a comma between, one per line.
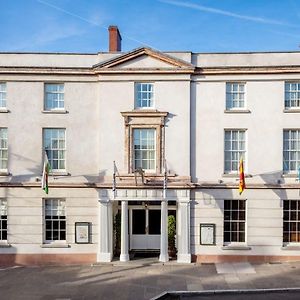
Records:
x=104, y=257
x=184, y=258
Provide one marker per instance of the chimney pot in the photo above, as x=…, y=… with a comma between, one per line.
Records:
x=114, y=39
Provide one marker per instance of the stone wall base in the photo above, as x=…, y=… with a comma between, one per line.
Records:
x=243, y=258
x=47, y=259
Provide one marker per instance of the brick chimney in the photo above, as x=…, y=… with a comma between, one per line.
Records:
x=114, y=39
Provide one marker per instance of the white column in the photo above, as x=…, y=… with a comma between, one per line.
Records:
x=164, y=257
x=124, y=256
x=105, y=248
x=183, y=232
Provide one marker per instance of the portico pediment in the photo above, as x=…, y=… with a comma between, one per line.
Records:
x=144, y=60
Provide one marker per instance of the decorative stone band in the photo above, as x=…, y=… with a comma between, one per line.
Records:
x=183, y=185
x=144, y=194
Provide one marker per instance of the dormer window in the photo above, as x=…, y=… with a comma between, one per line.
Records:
x=144, y=95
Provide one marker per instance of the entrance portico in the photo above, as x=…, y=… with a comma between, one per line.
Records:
x=144, y=215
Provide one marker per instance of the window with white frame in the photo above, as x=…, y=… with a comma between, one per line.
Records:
x=291, y=221
x=54, y=96
x=234, y=221
x=55, y=220
x=3, y=220
x=3, y=149
x=55, y=146
x=144, y=94
x=235, y=148
x=292, y=95
x=144, y=148
x=235, y=95
x=2, y=94
x=291, y=150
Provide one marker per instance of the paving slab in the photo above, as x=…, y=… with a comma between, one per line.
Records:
x=235, y=268
x=142, y=281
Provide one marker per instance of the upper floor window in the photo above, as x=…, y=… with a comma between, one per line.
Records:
x=235, y=95
x=292, y=95
x=144, y=141
x=3, y=220
x=54, y=96
x=235, y=148
x=144, y=95
x=3, y=149
x=55, y=146
x=2, y=94
x=291, y=150
x=55, y=220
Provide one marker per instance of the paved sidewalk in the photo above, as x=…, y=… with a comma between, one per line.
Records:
x=142, y=279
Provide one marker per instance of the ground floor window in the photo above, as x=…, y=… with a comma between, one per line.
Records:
x=55, y=220
x=3, y=220
x=234, y=221
x=291, y=221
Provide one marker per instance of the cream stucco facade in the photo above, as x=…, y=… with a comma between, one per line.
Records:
x=189, y=117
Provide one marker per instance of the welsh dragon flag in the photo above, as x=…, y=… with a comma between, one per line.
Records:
x=46, y=170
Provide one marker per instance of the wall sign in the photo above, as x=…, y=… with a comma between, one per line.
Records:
x=82, y=232
x=207, y=234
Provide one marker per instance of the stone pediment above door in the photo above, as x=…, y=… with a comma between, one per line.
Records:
x=144, y=60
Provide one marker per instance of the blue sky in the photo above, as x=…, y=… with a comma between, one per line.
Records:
x=166, y=25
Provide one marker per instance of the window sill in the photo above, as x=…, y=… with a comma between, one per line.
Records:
x=55, y=245
x=291, y=247
x=4, y=245
x=58, y=111
x=59, y=174
x=236, y=248
x=237, y=111
x=289, y=175
x=4, y=110
x=292, y=110
x=4, y=173
x=235, y=175
x=145, y=108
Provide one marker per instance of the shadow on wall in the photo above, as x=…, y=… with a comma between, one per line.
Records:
x=31, y=174
x=36, y=172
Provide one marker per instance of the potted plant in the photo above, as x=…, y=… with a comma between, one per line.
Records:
x=117, y=233
x=171, y=236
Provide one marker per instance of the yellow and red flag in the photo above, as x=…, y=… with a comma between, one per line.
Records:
x=242, y=184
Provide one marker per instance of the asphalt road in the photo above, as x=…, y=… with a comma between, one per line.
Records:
x=290, y=295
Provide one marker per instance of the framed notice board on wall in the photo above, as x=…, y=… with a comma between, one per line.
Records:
x=207, y=234
x=82, y=232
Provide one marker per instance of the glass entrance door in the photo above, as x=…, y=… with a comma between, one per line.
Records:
x=145, y=228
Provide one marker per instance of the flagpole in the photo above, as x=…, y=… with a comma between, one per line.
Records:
x=114, y=181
